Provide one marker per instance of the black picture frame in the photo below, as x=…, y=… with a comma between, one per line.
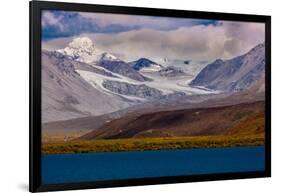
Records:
x=35, y=184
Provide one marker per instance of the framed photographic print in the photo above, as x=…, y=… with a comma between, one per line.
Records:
x=123, y=96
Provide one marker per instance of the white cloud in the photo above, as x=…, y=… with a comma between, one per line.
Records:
x=242, y=36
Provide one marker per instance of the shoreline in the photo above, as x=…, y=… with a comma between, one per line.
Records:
x=151, y=144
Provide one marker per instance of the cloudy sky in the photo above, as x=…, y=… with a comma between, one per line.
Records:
x=132, y=37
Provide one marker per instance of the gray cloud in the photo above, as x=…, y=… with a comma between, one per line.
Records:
x=241, y=36
x=200, y=42
x=150, y=22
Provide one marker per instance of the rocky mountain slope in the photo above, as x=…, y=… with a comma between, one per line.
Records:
x=66, y=95
x=124, y=88
x=122, y=68
x=236, y=74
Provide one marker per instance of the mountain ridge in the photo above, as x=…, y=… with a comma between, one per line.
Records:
x=235, y=74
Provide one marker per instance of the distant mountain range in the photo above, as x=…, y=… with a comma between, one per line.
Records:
x=236, y=74
x=81, y=80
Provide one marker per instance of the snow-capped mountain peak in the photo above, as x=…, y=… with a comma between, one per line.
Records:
x=82, y=49
x=108, y=57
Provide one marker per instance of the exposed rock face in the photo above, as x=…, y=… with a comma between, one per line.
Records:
x=141, y=90
x=122, y=68
x=236, y=74
x=253, y=76
x=173, y=96
x=171, y=71
x=94, y=69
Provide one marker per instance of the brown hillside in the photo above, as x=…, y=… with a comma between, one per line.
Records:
x=236, y=119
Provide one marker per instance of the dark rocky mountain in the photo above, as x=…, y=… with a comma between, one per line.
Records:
x=145, y=63
x=236, y=74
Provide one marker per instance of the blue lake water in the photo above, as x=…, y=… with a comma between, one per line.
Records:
x=125, y=165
